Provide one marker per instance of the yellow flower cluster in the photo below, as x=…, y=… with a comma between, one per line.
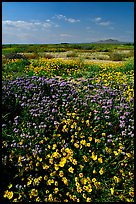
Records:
x=53, y=67
x=112, y=76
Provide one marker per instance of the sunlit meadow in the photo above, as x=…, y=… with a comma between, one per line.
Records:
x=67, y=131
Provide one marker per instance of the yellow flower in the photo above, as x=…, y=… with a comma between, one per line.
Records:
x=36, y=181
x=56, y=183
x=112, y=191
x=83, y=142
x=103, y=134
x=131, y=193
x=64, y=179
x=116, y=153
x=37, y=199
x=79, y=128
x=87, y=122
x=45, y=177
x=88, y=144
x=101, y=171
x=15, y=200
x=128, y=155
x=49, y=182
x=94, y=157
x=108, y=150
x=34, y=193
x=86, y=188
x=84, y=195
x=51, y=160
x=76, y=145
x=90, y=188
x=55, y=154
x=10, y=186
x=93, y=180
x=54, y=146
x=94, y=171
x=50, y=197
x=39, y=159
x=77, y=184
x=85, y=181
x=62, y=162
x=81, y=166
x=85, y=158
x=61, y=173
x=79, y=189
x=130, y=174
x=90, y=114
x=45, y=166
x=71, y=170
x=97, y=140
x=56, y=190
x=100, y=160
x=74, y=161
x=49, y=146
x=65, y=200
x=117, y=180
x=8, y=194
x=80, y=175
x=29, y=182
x=76, y=179
x=97, y=184
x=72, y=126
x=88, y=199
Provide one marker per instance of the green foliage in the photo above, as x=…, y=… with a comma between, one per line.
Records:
x=72, y=54
x=116, y=56
x=14, y=56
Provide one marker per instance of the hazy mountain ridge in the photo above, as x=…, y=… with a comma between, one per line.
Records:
x=110, y=41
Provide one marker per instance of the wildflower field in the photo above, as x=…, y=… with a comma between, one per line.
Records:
x=67, y=130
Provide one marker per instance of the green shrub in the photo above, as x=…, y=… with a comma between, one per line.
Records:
x=33, y=55
x=14, y=56
x=72, y=54
x=116, y=56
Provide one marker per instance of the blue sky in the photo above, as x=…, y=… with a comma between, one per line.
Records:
x=75, y=22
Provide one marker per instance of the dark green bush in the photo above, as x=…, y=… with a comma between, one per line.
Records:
x=14, y=56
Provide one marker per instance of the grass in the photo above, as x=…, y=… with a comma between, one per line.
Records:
x=67, y=130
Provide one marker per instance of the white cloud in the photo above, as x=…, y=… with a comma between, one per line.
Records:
x=48, y=20
x=97, y=19
x=60, y=16
x=26, y=25
x=70, y=20
x=101, y=22
x=104, y=23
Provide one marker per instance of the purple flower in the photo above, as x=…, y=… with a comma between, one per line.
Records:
x=126, y=113
x=109, y=140
x=110, y=124
x=122, y=125
x=123, y=133
x=122, y=117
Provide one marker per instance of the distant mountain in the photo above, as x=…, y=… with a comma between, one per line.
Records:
x=110, y=41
